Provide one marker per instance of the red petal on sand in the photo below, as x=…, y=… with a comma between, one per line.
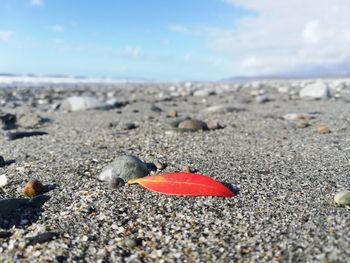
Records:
x=184, y=184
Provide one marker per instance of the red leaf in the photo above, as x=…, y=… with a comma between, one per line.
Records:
x=183, y=184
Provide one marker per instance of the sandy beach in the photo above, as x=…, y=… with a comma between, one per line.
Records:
x=288, y=172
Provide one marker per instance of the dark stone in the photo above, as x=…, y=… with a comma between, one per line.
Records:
x=19, y=135
x=43, y=238
x=2, y=161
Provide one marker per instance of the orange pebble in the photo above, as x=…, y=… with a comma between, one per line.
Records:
x=33, y=188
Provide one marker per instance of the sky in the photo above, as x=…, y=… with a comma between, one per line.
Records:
x=174, y=39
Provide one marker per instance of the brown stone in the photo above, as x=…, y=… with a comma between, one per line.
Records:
x=33, y=188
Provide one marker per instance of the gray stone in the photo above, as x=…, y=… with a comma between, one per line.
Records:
x=342, y=198
x=219, y=109
x=193, y=125
x=2, y=161
x=125, y=167
x=28, y=119
x=317, y=90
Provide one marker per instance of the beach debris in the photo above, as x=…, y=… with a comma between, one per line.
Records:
x=33, y=188
x=81, y=103
x=3, y=180
x=342, y=198
x=2, y=161
x=182, y=183
x=193, y=125
x=316, y=90
x=126, y=167
x=22, y=134
x=323, y=130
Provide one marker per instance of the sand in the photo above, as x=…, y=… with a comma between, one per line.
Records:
x=288, y=177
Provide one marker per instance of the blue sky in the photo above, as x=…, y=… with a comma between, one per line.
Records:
x=172, y=39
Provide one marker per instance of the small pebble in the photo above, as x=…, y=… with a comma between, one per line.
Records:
x=323, y=130
x=213, y=125
x=2, y=161
x=5, y=234
x=129, y=126
x=43, y=238
x=115, y=183
x=193, y=125
x=172, y=114
x=159, y=165
x=187, y=169
x=302, y=125
x=125, y=167
x=342, y=198
x=33, y=188
x=3, y=180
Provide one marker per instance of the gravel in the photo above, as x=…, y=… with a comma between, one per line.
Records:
x=284, y=212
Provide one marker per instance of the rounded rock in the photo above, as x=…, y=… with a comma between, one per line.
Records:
x=33, y=188
x=125, y=167
x=2, y=161
x=193, y=125
x=342, y=198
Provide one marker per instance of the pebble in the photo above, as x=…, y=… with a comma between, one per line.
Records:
x=262, y=98
x=33, y=188
x=317, y=90
x=5, y=234
x=28, y=119
x=125, y=167
x=302, y=125
x=156, y=109
x=19, y=135
x=342, y=198
x=220, y=109
x=193, y=125
x=115, y=183
x=43, y=238
x=204, y=92
x=172, y=114
x=159, y=165
x=297, y=116
x=128, y=126
x=2, y=161
x=214, y=125
x=3, y=180
x=8, y=121
x=323, y=130
x=81, y=103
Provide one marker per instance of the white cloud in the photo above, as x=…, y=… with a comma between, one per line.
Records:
x=57, y=28
x=6, y=35
x=178, y=28
x=37, y=2
x=285, y=35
